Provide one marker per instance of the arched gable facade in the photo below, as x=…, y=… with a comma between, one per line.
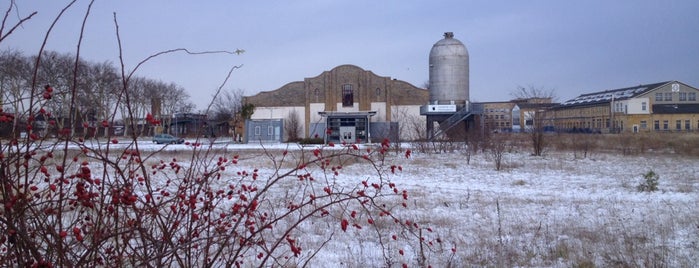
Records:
x=346, y=89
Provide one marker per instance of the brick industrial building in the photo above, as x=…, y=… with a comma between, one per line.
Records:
x=349, y=103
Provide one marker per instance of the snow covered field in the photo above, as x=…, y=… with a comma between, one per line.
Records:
x=552, y=211
x=555, y=210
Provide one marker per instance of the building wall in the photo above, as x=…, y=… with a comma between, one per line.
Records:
x=639, y=106
x=497, y=116
x=283, y=114
x=312, y=116
x=380, y=108
x=411, y=125
x=264, y=130
x=634, y=113
x=674, y=95
x=594, y=117
x=665, y=122
x=325, y=93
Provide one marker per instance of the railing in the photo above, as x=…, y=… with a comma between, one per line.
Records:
x=456, y=118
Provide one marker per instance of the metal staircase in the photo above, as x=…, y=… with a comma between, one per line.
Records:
x=455, y=119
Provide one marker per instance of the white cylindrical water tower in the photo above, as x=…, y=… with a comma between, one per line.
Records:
x=449, y=72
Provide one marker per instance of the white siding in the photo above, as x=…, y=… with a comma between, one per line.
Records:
x=315, y=108
x=411, y=125
x=635, y=106
x=281, y=113
x=380, y=108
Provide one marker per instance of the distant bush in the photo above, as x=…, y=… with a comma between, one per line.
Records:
x=649, y=183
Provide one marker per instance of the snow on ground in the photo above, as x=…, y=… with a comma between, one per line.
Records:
x=552, y=211
x=559, y=211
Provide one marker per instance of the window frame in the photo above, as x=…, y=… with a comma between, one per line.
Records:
x=347, y=95
x=658, y=96
x=668, y=96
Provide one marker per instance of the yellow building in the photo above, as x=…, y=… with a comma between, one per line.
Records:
x=499, y=116
x=664, y=106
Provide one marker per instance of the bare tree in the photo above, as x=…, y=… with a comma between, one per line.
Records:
x=497, y=148
x=535, y=114
x=173, y=99
x=536, y=133
x=136, y=108
x=534, y=92
x=102, y=91
x=56, y=70
x=292, y=126
x=14, y=84
x=227, y=104
x=410, y=126
x=228, y=107
x=94, y=96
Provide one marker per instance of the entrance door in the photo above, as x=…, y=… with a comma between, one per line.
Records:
x=347, y=134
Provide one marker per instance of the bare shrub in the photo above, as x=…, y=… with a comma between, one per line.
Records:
x=292, y=126
x=497, y=149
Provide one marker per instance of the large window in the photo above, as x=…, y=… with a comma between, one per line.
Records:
x=683, y=96
x=678, y=124
x=656, y=125
x=347, y=96
x=687, y=124
x=668, y=96
x=666, y=124
x=692, y=96
x=643, y=106
x=659, y=96
x=644, y=125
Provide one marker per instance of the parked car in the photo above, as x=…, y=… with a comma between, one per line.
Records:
x=167, y=139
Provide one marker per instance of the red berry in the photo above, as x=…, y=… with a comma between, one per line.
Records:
x=344, y=224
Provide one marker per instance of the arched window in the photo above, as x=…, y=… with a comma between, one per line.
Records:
x=378, y=92
x=347, y=95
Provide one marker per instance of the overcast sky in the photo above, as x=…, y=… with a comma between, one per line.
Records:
x=572, y=47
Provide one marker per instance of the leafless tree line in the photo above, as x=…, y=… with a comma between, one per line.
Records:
x=97, y=85
x=97, y=88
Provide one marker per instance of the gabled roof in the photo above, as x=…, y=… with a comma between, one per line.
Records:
x=525, y=106
x=606, y=96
